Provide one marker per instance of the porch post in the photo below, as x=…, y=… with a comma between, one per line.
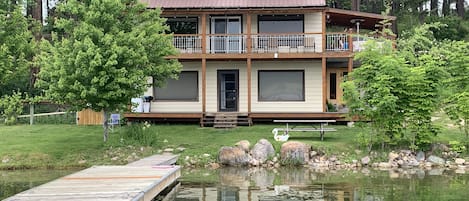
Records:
x=248, y=33
x=204, y=84
x=324, y=84
x=324, y=31
x=249, y=82
x=204, y=33
x=350, y=64
x=249, y=61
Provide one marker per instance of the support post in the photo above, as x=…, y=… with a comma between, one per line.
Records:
x=324, y=18
x=204, y=84
x=249, y=69
x=248, y=33
x=324, y=84
x=204, y=33
x=350, y=64
x=31, y=113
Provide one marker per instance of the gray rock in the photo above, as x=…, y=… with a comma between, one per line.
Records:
x=262, y=150
x=244, y=145
x=233, y=156
x=365, y=160
x=420, y=156
x=436, y=160
x=168, y=150
x=293, y=152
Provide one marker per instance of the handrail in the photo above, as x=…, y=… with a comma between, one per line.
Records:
x=270, y=42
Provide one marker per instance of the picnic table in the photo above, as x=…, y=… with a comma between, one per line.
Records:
x=315, y=126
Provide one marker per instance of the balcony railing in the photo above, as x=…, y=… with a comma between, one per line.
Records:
x=268, y=43
x=286, y=43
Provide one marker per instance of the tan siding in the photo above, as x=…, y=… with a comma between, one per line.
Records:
x=212, y=84
x=254, y=28
x=313, y=24
x=313, y=87
x=182, y=106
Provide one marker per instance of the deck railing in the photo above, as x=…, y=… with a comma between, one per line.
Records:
x=188, y=43
x=286, y=43
x=268, y=43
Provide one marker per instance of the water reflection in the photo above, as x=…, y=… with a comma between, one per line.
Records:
x=13, y=182
x=297, y=184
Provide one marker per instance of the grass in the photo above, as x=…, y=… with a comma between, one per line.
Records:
x=65, y=146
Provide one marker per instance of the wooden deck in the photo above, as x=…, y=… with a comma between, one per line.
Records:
x=252, y=116
x=139, y=181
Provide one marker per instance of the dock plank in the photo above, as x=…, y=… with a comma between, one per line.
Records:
x=141, y=181
x=165, y=159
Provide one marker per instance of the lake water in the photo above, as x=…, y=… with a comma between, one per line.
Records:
x=295, y=184
x=288, y=184
x=13, y=182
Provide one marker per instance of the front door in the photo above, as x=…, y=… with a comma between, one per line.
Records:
x=228, y=90
x=335, y=78
x=226, y=36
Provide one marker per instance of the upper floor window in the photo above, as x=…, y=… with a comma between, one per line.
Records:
x=183, y=25
x=281, y=23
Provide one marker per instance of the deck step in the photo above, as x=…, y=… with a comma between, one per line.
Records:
x=225, y=120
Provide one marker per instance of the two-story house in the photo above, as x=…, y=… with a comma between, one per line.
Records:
x=257, y=59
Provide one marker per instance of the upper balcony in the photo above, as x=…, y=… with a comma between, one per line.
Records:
x=286, y=45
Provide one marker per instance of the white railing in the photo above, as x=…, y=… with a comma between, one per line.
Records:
x=337, y=42
x=269, y=43
x=288, y=43
x=188, y=43
x=227, y=44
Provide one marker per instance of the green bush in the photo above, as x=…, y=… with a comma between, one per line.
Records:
x=141, y=134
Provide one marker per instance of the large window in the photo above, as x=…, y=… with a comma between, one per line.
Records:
x=281, y=23
x=184, y=89
x=281, y=85
x=182, y=25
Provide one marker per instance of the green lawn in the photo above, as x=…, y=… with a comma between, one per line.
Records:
x=63, y=146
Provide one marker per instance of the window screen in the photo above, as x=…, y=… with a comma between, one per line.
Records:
x=184, y=88
x=281, y=86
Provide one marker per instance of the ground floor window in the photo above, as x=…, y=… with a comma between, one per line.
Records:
x=186, y=88
x=281, y=85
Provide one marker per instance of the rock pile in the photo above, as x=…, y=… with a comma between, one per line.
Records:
x=263, y=154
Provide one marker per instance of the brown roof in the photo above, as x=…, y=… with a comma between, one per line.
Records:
x=233, y=3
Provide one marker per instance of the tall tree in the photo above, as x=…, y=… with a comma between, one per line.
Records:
x=446, y=11
x=103, y=54
x=16, y=45
x=356, y=5
x=16, y=53
x=460, y=8
x=434, y=7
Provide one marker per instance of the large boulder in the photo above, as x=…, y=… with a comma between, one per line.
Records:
x=293, y=152
x=262, y=150
x=233, y=156
x=436, y=160
x=244, y=145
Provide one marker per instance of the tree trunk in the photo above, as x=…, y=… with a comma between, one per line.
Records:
x=460, y=8
x=36, y=10
x=394, y=11
x=434, y=7
x=446, y=9
x=105, y=126
x=356, y=5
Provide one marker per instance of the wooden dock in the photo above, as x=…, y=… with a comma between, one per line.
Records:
x=138, y=181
